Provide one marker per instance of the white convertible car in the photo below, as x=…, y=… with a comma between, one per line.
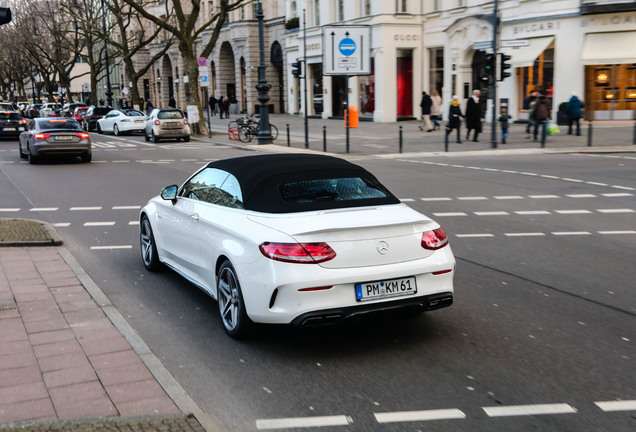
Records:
x=296, y=239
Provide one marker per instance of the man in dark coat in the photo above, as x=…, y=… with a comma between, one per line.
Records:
x=473, y=115
x=574, y=110
x=172, y=103
x=426, y=104
x=212, y=102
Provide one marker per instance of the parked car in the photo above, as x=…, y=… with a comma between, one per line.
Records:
x=7, y=106
x=298, y=239
x=78, y=114
x=33, y=110
x=47, y=137
x=47, y=108
x=94, y=113
x=168, y=123
x=122, y=121
x=11, y=124
x=69, y=108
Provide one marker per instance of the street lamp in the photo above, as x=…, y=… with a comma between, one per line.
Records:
x=264, y=134
x=109, y=93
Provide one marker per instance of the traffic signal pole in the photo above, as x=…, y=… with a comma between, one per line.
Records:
x=493, y=80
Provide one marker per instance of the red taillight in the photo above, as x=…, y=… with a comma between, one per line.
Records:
x=82, y=135
x=41, y=136
x=441, y=272
x=23, y=121
x=323, y=288
x=303, y=253
x=435, y=239
x=185, y=121
x=157, y=122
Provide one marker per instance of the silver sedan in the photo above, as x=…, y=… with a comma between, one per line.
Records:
x=48, y=137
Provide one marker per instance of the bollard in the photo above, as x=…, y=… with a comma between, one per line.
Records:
x=634, y=132
x=589, y=133
x=288, y=141
x=400, y=140
x=324, y=139
x=446, y=140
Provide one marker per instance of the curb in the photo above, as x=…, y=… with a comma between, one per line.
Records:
x=53, y=238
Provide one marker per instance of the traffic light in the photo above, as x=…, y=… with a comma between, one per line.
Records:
x=503, y=65
x=490, y=65
x=297, y=68
x=5, y=15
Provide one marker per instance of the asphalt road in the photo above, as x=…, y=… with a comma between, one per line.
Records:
x=542, y=335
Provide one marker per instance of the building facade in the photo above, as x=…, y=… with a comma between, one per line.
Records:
x=557, y=47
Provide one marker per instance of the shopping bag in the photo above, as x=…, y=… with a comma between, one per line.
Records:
x=553, y=128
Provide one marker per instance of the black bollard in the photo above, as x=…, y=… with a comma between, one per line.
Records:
x=288, y=141
x=446, y=140
x=324, y=139
x=634, y=132
x=400, y=140
x=589, y=133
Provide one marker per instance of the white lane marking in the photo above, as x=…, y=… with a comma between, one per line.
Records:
x=615, y=210
x=580, y=195
x=622, y=187
x=111, y=247
x=573, y=211
x=617, y=195
x=565, y=233
x=91, y=224
x=508, y=197
x=133, y=222
x=617, y=232
x=526, y=234
x=492, y=213
x=9, y=209
x=596, y=183
x=414, y=416
x=120, y=161
x=475, y=235
x=34, y=209
x=472, y=198
x=543, y=196
x=132, y=207
x=525, y=410
x=450, y=214
x=532, y=212
x=572, y=180
x=436, y=199
x=61, y=224
x=84, y=208
x=549, y=176
x=623, y=405
x=303, y=422
x=407, y=199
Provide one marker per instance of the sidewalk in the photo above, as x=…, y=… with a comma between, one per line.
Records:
x=68, y=359
x=383, y=139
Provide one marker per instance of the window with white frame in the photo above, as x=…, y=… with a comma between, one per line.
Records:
x=339, y=10
x=316, y=12
x=401, y=6
x=366, y=7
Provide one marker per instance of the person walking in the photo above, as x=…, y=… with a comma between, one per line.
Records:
x=172, y=103
x=426, y=104
x=542, y=113
x=574, y=111
x=504, y=119
x=473, y=115
x=454, y=119
x=212, y=103
x=531, y=102
x=436, y=110
x=226, y=106
x=221, y=109
x=149, y=107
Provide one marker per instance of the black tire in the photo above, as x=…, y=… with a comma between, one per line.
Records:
x=22, y=155
x=244, y=134
x=146, y=137
x=186, y=139
x=99, y=128
x=31, y=158
x=87, y=157
x=116, y=130
x=273, y=130
x=154, y=138
x=149, y=254
x=231, y=304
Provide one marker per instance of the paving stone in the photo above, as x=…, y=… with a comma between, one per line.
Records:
x=20, y=375
x=27, y=410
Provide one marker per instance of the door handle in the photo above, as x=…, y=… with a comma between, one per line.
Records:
x=195, y=216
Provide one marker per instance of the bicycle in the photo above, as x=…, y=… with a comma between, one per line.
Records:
x=245, y=128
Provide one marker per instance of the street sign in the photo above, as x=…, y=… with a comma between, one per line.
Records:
x=515, y=43
x=203, y=61
x=347, y=50
x=481, y=46
x=204, y=81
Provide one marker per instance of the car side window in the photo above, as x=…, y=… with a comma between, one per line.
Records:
x=230, y=194
x=204, y=185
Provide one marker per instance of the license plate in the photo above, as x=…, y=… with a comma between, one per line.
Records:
x=63, y=138
x=140, y=121
x=386, y=288
x=8, y=129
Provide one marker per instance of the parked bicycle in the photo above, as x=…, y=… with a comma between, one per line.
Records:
x=245, y=128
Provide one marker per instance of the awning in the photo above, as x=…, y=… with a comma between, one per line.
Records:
x=609, y=48
x=525, y=56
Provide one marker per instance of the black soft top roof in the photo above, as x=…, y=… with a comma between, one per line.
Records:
x=261, y=176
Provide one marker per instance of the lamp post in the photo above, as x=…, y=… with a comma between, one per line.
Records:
x=264, y=134
x=109, y=92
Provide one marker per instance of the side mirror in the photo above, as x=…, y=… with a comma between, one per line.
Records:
x=169, y=193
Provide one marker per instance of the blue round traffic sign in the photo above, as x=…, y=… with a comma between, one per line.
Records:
x=347, y=46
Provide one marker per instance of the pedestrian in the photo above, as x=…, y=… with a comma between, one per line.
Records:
x=542, y=113
x=149, y=107
x=221, y=109
x=504, y=118
x=531, y=102
x=226, y=106
x=426, y=104
x=436, y=111
x=574, y=111
x=473, y=115
x=212, y=103
x=172, y=103
x=454, y=118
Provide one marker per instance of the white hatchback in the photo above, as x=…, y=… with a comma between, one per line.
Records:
x=167, y=123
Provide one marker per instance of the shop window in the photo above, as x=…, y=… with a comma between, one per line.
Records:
x=610, y=91
x=539, y=77
x=367, y=92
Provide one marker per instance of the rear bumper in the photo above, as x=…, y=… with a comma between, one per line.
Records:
x=337, y=315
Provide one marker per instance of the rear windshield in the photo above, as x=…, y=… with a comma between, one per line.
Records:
x=9, y=116
x=59, y=124
x=176, y=114
x=134, y=113
x=101, y=111
x=332, y=189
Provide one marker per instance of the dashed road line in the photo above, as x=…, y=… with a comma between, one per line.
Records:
x=526, y=410
x=414, y=416
x=621, y=405
x=111, y=247
x=97, y=224
x=303, y=422
x=84, y=208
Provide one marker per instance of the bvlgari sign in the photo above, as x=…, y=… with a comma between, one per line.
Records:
x=606, y=6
